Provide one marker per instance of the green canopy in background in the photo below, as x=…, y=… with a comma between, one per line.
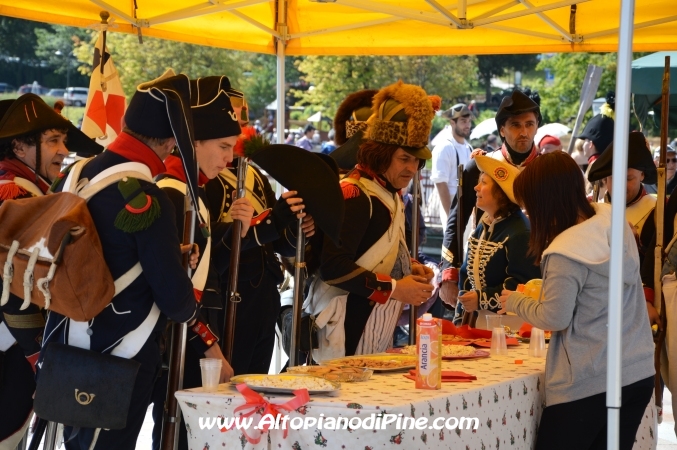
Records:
x=647, y=82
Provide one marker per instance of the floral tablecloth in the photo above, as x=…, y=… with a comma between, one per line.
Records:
x=507, y=399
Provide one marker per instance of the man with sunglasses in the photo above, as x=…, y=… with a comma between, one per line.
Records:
x=448, y=155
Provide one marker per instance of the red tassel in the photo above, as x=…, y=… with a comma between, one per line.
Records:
x=9, y=191
x=350, y=191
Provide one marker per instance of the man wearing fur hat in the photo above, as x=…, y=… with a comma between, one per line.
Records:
x=33, y=144
x=639, y=206
x=517, y=120
x=448, y=155
x=364, y=284
x=136, y=224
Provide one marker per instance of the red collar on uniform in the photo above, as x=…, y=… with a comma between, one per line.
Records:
x=15, y=168
x=175, y=169
x=136, y=151
x=531, y=157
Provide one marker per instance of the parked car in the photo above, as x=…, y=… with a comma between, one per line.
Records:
x=76, y=96
x=6, y=87
x=56, y=92
x=33, y=88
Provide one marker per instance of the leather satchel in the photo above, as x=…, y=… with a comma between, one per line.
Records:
x=50, y=255
x=83, y=388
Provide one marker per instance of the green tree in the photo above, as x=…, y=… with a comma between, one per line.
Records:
x=18, y=63
x=490, y=66
x=137, y=63
x=260, y=86
x=559, y=102
x=55, y=46
x=334, y=77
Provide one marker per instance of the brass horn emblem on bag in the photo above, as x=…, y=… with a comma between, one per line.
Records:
x=83, y=398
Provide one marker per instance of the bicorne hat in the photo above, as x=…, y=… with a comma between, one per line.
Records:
x=639, y=157
x=213, y=114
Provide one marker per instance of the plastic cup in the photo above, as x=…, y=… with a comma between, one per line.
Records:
x=494, y=321
x=211, y=371
x=498, y=345
x=537, y=343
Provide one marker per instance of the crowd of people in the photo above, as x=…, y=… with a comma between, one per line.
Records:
x=528, y=204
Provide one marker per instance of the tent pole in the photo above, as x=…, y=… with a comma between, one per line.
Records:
x=618, y=224
x=281, y=43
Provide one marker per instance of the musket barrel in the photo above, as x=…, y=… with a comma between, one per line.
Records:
x=416, y=193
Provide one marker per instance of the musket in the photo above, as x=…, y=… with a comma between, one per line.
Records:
x=658, y=251
x=228, y=331
x=416, y=192
x=299, y=288
x=177, y=355
x=460, y=228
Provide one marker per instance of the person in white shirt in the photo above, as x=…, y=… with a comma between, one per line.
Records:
x=449, y=154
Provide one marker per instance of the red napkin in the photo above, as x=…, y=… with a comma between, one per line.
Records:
x=525, y=330
x=464, y=331
x=448, y=376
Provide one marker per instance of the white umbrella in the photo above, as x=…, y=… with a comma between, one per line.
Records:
x=315, y=117
x=484, y=128
x=442, y=137
x=554, y=129
x=551, y=129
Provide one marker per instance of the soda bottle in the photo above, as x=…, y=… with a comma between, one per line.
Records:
x=532, y=288
x=429, y=352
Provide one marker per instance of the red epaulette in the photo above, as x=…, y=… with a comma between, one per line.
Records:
x=350, y=190
x=9, y=191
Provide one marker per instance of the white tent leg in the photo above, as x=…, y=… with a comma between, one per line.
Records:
x=618, y=224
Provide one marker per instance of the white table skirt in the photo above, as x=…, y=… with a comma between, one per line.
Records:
x=507, y=398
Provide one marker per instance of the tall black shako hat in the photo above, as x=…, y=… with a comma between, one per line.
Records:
x=313, y=177
x=600, y=129
x=350, y=122
x=213, y=114
x=29, y=114
x=518, y=103
x=639, y=157
x=161, y=109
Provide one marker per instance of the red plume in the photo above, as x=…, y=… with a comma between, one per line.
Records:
x=248, y=133
x=436, y=100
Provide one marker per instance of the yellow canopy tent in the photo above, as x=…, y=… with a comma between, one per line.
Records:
x=375, y=27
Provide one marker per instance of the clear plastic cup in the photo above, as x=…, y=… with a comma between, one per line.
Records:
x=537, y=343
x=498, y=345
x=494, y=321
x=211, y=371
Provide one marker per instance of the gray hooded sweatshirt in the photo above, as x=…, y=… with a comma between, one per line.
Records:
x=574, y=305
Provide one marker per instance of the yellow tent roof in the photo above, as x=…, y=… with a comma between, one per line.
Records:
x=375, y=27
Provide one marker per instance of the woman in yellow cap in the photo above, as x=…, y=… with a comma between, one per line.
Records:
x=497, y=251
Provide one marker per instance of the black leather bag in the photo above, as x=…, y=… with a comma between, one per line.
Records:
x=84, y=389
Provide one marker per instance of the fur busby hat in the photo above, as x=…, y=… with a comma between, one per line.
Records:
x=518, y=103
x=402, y=115
x=161, y=109
x=600, y=129
x=639, y=157
x=213, y=113
x=29, y=114
x=352, y=114
x=313, y=177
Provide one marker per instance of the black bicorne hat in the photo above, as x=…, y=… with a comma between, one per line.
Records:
x=639, y=157
x=213, y=113
x=346, y=155
x=312, y=177
x=161, y=109
x=518, y=103
x=29, y=114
